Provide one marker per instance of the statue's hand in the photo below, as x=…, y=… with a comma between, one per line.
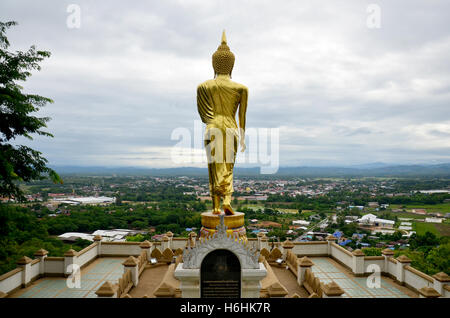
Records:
x=243, y=146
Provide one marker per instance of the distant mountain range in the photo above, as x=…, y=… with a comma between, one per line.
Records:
x=367, y=170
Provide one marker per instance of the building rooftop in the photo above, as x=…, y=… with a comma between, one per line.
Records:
x=92, y=277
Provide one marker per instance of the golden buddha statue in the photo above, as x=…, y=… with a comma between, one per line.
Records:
x=218, y=100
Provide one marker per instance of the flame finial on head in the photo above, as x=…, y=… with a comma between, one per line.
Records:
x=224, y=38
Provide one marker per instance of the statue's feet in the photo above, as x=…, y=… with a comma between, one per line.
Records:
x=228, y=209
x=216, y=211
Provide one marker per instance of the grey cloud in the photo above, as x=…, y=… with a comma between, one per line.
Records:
x=342, y=92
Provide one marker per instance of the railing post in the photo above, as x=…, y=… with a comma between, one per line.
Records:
x=302, y=265
x=132, y=265
x=332, y=290
x=402, y=261
x=170, y=236
x=25, y=263
x=387, y=253
x=107, y=290
x=98, y=239
x=428, y=292
x=261, y=240
x=330, y=239
x=287, y=245
x=41, y=254
x=165, y=242
x=439, y=281
x=358, y=262
x=264, y=242
x=145, y=246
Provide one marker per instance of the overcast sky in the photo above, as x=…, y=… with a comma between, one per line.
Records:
x=339, y=91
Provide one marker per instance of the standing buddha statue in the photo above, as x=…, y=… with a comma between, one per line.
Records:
x=218, y=101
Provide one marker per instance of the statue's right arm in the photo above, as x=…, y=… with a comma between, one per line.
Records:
x=242, y=116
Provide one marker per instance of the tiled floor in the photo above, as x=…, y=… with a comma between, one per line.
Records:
x=354, y=287
x=103, y=269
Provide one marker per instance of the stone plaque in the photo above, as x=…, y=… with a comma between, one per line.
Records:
x=220, y=275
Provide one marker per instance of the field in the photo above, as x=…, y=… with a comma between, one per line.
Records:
x=254, y=207
x=444, y=229
x=292, y=211
x=421, y=228
x=441, y=207
x=440, y=229
x=407, y=215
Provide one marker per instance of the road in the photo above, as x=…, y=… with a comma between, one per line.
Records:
x=310, y=229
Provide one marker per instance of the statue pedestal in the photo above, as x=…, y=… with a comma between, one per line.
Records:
x=221, y=266
x=234, y=223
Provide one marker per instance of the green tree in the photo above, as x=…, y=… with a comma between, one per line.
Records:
x=19, y=162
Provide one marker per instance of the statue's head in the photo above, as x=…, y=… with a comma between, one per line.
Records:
x=223, y=58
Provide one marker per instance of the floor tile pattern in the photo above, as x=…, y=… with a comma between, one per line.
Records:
x=354, y=287
x=104, y=269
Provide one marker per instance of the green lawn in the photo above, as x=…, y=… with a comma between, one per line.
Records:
x=254, y=207
x=422, y=227
x=293, y=211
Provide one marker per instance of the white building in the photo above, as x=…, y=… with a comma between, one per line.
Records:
x=300, y=222
x=116, y=235
x=72, y=236
x=383, y=231
x=371, y=219
x=85, y=200
x=433, y=220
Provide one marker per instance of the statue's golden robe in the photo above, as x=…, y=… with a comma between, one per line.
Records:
x=218, y=101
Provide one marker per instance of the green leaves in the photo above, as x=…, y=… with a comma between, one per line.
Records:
x=20, y=163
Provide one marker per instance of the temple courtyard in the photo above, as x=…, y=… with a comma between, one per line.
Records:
x=111, y=269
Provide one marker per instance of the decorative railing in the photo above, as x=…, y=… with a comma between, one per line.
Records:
x=291, y=261
x=312, y=284
x=142, y=261
x=125, y=284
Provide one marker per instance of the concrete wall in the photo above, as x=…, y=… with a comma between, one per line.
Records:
x=379, y=261
x=417, y=279
x=34, y=270
x=86, y=255
x=120, y=248
x=392, y=268
x=11, y=280
x=310, y=248
x=342, y=255
x=54, y=265
x=178, y=243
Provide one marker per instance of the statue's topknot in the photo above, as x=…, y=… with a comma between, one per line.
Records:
x=223, y=58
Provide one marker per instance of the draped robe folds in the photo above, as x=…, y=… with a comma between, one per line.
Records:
x=217, y=103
